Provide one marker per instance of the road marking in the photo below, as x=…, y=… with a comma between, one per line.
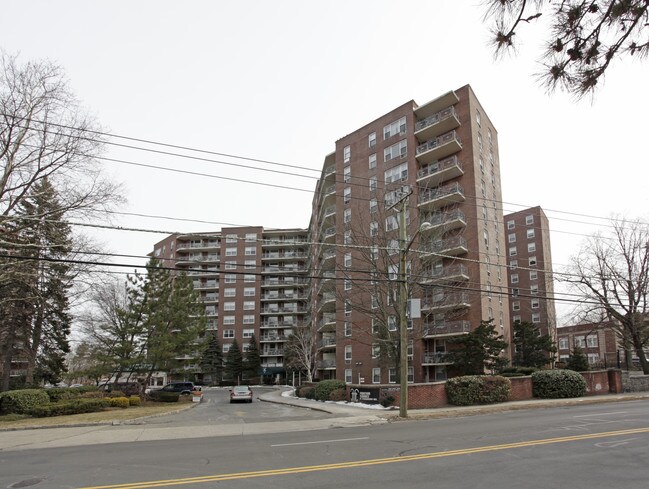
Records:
x=600, y=414
x=364, y=463
x=319, y=441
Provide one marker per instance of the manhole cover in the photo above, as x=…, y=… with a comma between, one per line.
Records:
x=26, y=483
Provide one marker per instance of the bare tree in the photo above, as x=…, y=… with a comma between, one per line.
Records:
x=612, y=274
x=300, y=351
x=584, y=37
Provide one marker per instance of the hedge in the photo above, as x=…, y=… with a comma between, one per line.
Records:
x=22, y=401
x=558, y=384
x=338, y=395
x=477, y=389
x=74, y=406
x=120, y=402
x=162, y=396
x=63, y=393
x=324, y=388
x=134, y=401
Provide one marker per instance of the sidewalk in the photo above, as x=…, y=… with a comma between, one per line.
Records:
x=345, y=415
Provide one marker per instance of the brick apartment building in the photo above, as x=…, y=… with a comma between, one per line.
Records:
x=443, y=153
x=529, y=259
x=598, y=341
x=252, y=281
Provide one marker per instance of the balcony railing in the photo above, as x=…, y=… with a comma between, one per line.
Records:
x=286, y=323
x=326, y=342
x=446, y=328
x=435, y=118
x=272, y=352
x=436, y=359
x=273, y=337
x=452, y=272
x=439, y=147
x=442, y=196
x=445, y=300
x=449, y=246
x=322, y=364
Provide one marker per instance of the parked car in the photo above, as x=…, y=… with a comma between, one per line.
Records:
x=184, y=388
x=241, y=393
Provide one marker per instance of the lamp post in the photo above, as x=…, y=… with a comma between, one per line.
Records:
x=404, y=248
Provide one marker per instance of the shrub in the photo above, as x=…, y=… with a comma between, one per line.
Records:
x=162, y=396
x=517, y=371
x=134, y=401
x=22, y=401
x=324, y=388
x=557, y=384
x=338, y=395
x=387, y=400
x=307, y=392
x=115, y=394
x=477, y=389
x=73, y=406
x=63, y=393
x=120, y=402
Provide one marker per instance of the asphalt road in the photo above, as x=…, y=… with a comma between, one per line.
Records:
x=594, y=446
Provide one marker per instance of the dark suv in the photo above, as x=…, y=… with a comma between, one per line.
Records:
x=184, y=388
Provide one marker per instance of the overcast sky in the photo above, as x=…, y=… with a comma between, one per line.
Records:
x=282, y=81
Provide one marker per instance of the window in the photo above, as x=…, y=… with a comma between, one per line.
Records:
x=410, y=349
x=348, y=260
x=249, y=291
x=477, y=117
x=375, y=252
x=230, y=278
x=514, y=292
x=392, y=323
x=230, y=252
x=347, y=174
x=375, y=326
x=372, y=161
x=228, y=320
x=249, y=278
x=248, y=305
x=347, y=154
x=374, y=228
x=347, y=237
x=396, y=127
x=534, y=289
x=371, y=140
x=397, y=150
x=228, y=333
x=375, y=302
x=516, y=306
x=530, y=233
x=563, y=344
x=391, y=223
x=511, y=224
x=593, y=358
x=348, y=375
x=251, y=250
x=535, y=303
x=348, y=353
x=374, y=205
x=347, y=216
x=513, y=251
x=376, y=350
x=229, y=306
x=392, y=375
x=591, y=341
x=247, y=333
x=396, y=173
x=376, y=375
x=347, y=195
x=516, y=319
x=511, y=238
x=249, y=319
x=226, y=347
x=411, y=375
x=373, y=183
x=513, y=264
x=251, y=237
x=250, y=264
x=230, y=265
x=348, y=328
x=536, y=317
x=529, y=220
x=231, y=238
x=348, y=308
x=534, y=275
x=514, y=278
x=531, y=247
x=229, y=292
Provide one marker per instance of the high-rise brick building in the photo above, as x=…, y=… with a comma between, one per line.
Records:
x=444, y=154
x=530, y=270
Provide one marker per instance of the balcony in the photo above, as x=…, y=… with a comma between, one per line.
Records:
x=328, y=192
x=452, y=273
x=438, y=148
x=439, y=123
x=272, y=338
x=453, y=246
x=327, y=343
x=436, y=198
x=445, y=301
x=440, y=171
x=284, y=281
x=326, y=364
x=328, y=171
x=290, y=268
x=283, y=296
x=285, y=323
x=272, y=352
x=283, y=310
x=283, y=255
x=446, y=328
x=441, y=222
x=435, y=105
x=327, y=323
x=436, y=359
x=327, y=302
x=329, y=211
x=329, y=233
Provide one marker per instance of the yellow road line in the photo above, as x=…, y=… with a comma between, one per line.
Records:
x=365, y=463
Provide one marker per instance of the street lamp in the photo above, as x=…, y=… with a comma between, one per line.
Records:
x=403, y=302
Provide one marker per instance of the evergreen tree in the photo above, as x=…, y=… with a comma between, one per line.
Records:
x=478, y=351
x=578, y=361
x=531, y=349
x=212, y=359
x=234, y=363
x=253, y=359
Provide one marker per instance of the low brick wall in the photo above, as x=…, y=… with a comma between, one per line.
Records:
x=433, y=395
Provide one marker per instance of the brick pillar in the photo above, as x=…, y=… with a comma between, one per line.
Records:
x=615, y=381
